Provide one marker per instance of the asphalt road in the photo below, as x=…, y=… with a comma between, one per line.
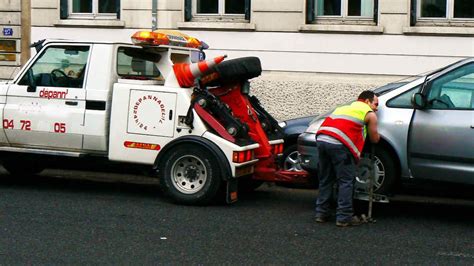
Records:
x=51, y=220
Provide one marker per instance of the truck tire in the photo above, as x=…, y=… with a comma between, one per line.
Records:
x=191, y=175
x=22, y=166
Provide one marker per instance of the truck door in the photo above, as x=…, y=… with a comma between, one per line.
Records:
x=441, y=138
x=46, y=105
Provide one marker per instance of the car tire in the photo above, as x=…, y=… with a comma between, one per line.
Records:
x=289, y=163
x=386, y=171
x=22, y=166
x=191, y=175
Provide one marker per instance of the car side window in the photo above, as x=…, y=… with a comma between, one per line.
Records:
x=454, y=90
x=58, y=66
x=403, y=100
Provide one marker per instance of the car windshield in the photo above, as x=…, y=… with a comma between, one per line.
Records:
x=389, y=87
x=394, y=85
x=397, y=84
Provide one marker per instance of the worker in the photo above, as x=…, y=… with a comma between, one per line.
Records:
x=340, y=141
x=67, y=69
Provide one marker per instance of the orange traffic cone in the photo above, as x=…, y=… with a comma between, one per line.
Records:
x=186, y=74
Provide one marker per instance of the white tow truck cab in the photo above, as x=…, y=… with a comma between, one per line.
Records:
x=123, y=102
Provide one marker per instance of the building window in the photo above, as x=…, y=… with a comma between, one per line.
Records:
x=342, y=11
x=90, y=9
x=345, y=8
x=445, y=9
x=217, y=9
x=220, y=7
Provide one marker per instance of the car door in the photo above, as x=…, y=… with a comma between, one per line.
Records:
x=441, y=135
x=45, y=106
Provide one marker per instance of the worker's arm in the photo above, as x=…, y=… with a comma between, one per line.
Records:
x=371, y=121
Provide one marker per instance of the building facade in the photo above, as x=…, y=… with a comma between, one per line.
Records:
x=14, y=36
x=315, y=53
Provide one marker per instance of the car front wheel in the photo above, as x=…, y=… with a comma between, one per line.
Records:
x=385, y=169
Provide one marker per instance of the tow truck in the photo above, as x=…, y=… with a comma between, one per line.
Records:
x=154, y=102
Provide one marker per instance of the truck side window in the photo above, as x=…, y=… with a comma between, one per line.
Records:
x=136, y=63
x=58, y=66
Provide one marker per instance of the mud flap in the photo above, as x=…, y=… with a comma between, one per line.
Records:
x=231, y=192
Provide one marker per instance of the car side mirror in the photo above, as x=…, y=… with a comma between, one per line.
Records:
x=418, y=101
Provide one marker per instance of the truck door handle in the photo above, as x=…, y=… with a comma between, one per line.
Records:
x=170, y=116
x=71, y=103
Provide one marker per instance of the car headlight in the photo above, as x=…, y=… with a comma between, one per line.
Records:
x=315, y=125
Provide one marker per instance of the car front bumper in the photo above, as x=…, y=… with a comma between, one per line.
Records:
x=308, y=151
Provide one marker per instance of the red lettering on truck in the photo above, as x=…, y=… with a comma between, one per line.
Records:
x=49, y=94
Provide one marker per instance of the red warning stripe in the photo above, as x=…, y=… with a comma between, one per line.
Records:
x=139, y=145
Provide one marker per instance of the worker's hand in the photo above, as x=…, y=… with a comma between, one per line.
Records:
x=371, y=121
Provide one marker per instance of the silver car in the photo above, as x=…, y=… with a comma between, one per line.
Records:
x=426, y=126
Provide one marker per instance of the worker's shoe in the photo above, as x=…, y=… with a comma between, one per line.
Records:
x=321, y=219
x=353, y=222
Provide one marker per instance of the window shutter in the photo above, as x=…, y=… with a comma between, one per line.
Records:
x=376, y=12
x=117, y=8
x=63, y=9
x=309, y=11
x=413, y=13
x=247, y=9
x=187, y=10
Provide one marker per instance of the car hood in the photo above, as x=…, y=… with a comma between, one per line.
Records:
x=379, y=91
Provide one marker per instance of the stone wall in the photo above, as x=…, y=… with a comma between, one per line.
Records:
x=290, y=95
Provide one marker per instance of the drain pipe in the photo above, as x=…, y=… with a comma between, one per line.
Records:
x=154, y=15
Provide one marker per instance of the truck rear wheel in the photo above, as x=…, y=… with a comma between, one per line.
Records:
x=191, y=175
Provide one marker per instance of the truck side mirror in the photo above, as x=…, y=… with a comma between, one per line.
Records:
x=31, y=88
x=418, y=101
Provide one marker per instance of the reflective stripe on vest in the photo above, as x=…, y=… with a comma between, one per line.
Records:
x=347, y=141
x=347, y=124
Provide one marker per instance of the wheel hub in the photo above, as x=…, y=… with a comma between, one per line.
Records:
x=292, y=162
x=189, y=174
x=364, y=171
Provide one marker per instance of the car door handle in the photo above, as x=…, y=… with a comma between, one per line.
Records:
x=71, y=103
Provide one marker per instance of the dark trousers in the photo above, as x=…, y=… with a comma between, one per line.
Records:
x=336, y=164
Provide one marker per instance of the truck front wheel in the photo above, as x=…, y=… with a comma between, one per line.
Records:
x=191, y=175
x=22, y=166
